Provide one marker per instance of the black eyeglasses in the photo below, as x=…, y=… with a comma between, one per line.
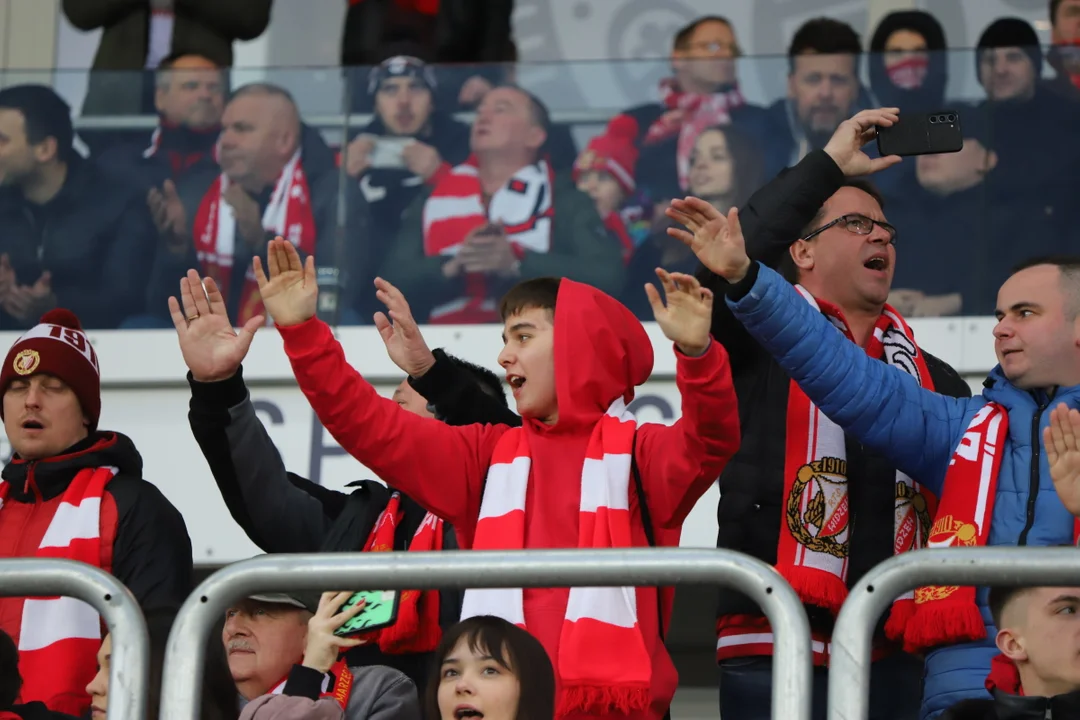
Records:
x=858, y=224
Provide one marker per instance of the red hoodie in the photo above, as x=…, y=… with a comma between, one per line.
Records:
x=601, y=352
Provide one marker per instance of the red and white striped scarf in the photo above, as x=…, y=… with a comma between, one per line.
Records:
x=288, y=214
x=812, y=553
x=59, y=636
x=688, y=115
x=603, y=664
x=416, y=629
x=524, y=207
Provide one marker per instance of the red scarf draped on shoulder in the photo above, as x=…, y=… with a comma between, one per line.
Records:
x=288, y=214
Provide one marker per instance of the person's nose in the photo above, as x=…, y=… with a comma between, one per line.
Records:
x=99, y=685
x=506, y=357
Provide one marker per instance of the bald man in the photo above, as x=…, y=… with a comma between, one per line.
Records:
x=277, y=177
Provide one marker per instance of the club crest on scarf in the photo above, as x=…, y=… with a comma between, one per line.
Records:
x=948, y=531
x=912, y=518
x=817, y=508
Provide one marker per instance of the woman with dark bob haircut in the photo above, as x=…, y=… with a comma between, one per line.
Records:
x=488, y=668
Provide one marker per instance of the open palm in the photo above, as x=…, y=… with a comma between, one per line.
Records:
x=1062, y=443
x=687, y=316
x=290, y=293
x=715, y=239
x=400, y=333
x=212, y=349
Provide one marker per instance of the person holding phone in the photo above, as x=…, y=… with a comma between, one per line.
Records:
x=323, y=682
x=826, y=229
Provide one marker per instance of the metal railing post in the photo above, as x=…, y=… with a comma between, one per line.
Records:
x=185, y=654
x=129, y=667
x=849, y=665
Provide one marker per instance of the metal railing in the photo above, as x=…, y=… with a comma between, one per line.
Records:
x=849, y=664
x=129, y=666
x=185, y=653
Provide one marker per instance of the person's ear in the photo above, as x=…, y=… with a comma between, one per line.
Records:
x=1011, y=645
x=802, y=253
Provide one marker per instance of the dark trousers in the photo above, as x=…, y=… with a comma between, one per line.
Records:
x=746, y=689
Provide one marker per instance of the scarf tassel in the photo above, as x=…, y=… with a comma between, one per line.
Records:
x=899, y=617
x=817, y=587
x=958, y=622
x=602, y=699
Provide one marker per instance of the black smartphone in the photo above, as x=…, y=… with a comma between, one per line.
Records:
x=380, y=610
x=922, y=134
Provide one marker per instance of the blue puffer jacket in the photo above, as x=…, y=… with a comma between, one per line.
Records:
x=918, y=431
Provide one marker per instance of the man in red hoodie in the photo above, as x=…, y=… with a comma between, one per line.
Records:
x=573, y=357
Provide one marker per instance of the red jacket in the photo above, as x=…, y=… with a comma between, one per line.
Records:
x=144, y=540
x=601, y=353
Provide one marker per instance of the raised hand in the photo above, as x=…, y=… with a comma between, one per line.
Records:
x=845, y=146
x=1062, y=442
x=290, y=294
x=716, y=240
x=212, y=349
x=400, y=333
x=687, y=316
x=323, y=646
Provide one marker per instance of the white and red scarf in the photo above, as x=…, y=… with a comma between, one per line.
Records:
x=59, y=636
x=603, y=664
x=949, y=614
x=417, y=627
x=687, y=115
x=812, y=553
x=523, y=207
x=341, y=689
x=288, y=214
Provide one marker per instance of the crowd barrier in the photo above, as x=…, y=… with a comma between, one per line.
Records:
x=185, y=653
x=849, y=670
x=129, y=667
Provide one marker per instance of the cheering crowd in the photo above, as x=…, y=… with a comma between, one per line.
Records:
x=765, y=248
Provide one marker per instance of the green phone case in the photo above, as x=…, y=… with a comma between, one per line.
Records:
x=380, y=611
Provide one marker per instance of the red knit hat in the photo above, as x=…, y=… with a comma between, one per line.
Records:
x=612, y=152
x=57, y=346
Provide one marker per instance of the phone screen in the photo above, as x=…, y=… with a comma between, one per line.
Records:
x=380, y=610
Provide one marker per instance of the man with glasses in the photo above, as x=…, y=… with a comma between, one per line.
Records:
x=800, y=494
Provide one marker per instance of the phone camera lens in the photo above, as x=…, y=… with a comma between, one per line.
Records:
x=952, y=118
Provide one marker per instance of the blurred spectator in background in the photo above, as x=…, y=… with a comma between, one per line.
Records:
x=1033, y=130
x=957, y=196
x=446, y=32
x=702, y=92
x=407, y=144
x=277, y=178
x=189, y=97
x=218, y=700
x=138, y=34
x=725, y=168
x=69, y=235
x=605, y=172
x=1064, y=55
x=909, y=62
x=500, y=217
x=823, y=91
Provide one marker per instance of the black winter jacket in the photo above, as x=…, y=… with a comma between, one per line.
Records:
x=95, y=237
